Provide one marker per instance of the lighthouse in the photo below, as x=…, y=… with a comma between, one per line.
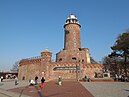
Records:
x=72, y=62
x=72, y=51
x=72, y=33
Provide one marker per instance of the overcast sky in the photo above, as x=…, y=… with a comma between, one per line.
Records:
x=27, y=27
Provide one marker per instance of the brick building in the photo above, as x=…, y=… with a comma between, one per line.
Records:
x=73, y=62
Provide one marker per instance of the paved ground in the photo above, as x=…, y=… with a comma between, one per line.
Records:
x=9, y=84
x=108, y=89
x=68, y=89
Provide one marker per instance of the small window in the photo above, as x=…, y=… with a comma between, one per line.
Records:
x=79, y=49
x=82, y=60
x=60, y=59
x=74, y=58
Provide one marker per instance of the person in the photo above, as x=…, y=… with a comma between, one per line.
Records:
x=2, y=78
x=42, y=82
x=88, y=79
x=122, y=78
x=36, y=80
x=23, y=78
x=32, y=82
x=119, y=77
x=16, y=81
x=85, y=78
x=116, y=77
x=59, y=80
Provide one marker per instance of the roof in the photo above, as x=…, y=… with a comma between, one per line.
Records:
x=72, y=16
x=46, y=50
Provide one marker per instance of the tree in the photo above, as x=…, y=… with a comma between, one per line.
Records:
x=110, y=64
x=115, y=63
x=121, y=49
x=93, y=61
x=107, y=62
x=15, y=67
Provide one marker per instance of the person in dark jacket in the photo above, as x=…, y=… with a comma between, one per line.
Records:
x=36, y=80
x=42, y=82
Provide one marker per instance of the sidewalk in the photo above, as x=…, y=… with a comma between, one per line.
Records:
x=51, y=89
x=9, y=84
x=108, y=89
x=68, y=89
x=5, y=93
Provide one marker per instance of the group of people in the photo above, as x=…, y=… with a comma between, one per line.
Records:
x=86, y=79
x=120, y=78
x=35, y=82
x=16, y=80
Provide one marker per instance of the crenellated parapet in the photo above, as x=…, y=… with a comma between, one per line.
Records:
x=30, y=61
x=93, y=66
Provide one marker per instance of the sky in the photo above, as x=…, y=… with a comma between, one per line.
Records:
x=27, y=27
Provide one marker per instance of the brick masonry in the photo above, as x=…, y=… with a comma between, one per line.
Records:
x=73, y=62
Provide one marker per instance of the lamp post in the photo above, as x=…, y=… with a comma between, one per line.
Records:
x=76, y=73
x=43, y=74
x=77, y=69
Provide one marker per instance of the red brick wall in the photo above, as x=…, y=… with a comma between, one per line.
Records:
x=72, y=37
x=69, y=55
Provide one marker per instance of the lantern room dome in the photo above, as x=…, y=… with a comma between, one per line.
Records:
x=72, y=19
x=72, y=16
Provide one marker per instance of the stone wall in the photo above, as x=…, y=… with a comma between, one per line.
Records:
x=78, y=55
x=29, y=71
x=91, y=69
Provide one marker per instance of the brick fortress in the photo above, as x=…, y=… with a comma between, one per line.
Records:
x=73, y=62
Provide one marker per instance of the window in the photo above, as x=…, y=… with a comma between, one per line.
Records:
x=60, y=59
x=79, y=49
x=74, y=58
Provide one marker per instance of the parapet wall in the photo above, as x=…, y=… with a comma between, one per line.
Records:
x=68, y=70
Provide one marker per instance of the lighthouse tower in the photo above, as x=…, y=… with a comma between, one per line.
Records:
x=72, y=33
x=72, y=51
